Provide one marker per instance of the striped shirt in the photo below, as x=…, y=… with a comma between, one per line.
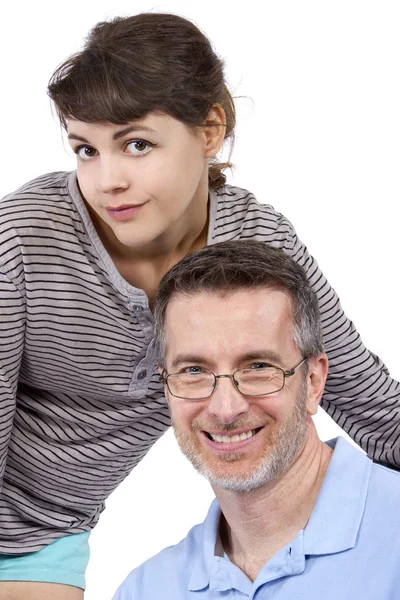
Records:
x=80, y=400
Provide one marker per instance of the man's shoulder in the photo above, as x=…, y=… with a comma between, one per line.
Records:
x=384, y=486
x=167, y=574
x=381, y=515
x=356, y=470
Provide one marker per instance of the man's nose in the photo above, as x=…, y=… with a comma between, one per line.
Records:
x=111, y=176
x=227, y=403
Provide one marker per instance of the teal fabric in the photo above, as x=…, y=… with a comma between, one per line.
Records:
x=63, y=561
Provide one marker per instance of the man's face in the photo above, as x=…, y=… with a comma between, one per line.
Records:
x=223, y=334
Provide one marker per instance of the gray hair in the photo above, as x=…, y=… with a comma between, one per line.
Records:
x=237, y=265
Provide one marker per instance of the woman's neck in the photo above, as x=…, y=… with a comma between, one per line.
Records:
x=143, y=267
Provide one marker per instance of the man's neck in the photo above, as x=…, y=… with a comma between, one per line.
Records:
x=255, y=525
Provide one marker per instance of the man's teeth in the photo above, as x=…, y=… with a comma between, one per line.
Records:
x=226, y=439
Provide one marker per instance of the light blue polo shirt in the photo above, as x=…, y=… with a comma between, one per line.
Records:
x=349, y=550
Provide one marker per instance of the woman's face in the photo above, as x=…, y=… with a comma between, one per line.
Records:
x=143, y=179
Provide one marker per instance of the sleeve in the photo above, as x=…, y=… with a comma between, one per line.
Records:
x=359, y=393
x=12, y=329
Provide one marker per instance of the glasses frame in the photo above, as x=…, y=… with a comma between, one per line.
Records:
x=288, y=373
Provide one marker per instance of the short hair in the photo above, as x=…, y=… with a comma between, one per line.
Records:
x=243, y=265
x=131, y=66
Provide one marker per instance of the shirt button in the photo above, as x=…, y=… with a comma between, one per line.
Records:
x=142, y=375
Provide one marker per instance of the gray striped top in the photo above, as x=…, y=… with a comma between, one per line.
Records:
x=80, y=401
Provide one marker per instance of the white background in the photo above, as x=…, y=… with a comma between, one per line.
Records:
x=318, y=138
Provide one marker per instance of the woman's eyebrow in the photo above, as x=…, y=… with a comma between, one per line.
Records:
x=137, y=127
x=73, y=136
x=117, y=135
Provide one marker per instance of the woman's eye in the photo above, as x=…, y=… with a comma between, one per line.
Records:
x=139, y=147
x=85, y=152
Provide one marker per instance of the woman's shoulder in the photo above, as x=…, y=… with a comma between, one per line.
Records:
x=48, y=187
x=235, y=211
x=231, y=194
x=38, y=215
x=43, y=199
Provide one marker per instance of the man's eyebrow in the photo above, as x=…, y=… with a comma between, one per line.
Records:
x=187, y=358
x=117, y=135
x=260, y=355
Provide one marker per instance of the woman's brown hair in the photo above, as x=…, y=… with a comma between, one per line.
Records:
x=132, y=66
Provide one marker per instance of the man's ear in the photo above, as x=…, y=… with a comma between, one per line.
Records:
x=316, y=377
x=214, y=129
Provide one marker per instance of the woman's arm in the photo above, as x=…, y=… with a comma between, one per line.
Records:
x=12, y=329
x=359, y=393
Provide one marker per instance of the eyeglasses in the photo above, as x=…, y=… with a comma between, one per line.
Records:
x=199, y=383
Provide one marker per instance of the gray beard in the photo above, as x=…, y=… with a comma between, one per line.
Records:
x=288, y=442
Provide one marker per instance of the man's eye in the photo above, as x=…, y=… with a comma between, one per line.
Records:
x=139, y=147
x=259, y=365
x=193, y=370
x=85, y=152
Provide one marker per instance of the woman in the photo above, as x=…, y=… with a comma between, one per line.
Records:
x=146, y=109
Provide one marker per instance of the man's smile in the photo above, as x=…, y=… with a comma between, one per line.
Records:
x=232, y=441
x=232, y=437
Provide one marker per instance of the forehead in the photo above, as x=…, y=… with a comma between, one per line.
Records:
x=153, y=122
x=231, y=324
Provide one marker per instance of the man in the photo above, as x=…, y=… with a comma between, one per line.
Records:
x=244, y=369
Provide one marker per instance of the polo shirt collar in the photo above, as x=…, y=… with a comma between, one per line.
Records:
x=336, y=517
x=333, y=525
x=205, y=561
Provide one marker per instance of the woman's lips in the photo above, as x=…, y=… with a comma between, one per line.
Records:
x=124, y=212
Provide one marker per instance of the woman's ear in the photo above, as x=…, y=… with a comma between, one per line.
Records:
x=316, y=377
x=214, y=129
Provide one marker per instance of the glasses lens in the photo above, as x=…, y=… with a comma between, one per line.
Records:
x=259, y=382
x=191, y=385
